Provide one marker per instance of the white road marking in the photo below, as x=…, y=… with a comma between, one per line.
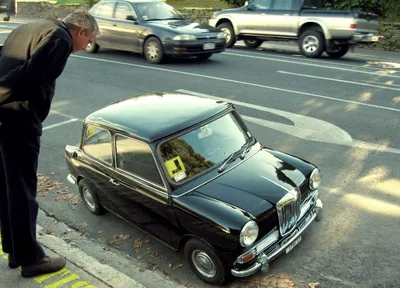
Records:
x=388, y=83
x=60, y=123
x=316, y=65
x=338, y=80
x=238, y=82
x=305, y=127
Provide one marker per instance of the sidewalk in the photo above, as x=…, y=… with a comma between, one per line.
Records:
x=88, y=264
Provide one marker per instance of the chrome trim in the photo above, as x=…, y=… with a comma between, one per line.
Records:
x=279, y=185
x=263, y=260
x=288, y=208
x=71, y=179
x=219, y=175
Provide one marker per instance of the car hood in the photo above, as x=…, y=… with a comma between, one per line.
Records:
x=255, y=184
x=183, y=26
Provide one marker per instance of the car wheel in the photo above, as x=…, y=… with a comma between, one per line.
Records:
x=312, y=43
x=153, y=51
x=90, y=198
x=338, y=51
x=229, y=34
x=92, y=47
x=205, y=262
x=7, y=18
x=253, y=43
x=204, y=56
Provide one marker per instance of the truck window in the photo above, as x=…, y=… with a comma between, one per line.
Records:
x=285, y=4
x=260, y=4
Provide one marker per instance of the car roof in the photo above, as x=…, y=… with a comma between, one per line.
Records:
x=153, y=116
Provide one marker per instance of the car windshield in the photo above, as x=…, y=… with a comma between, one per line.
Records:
x=151, y=11
x=191, y=154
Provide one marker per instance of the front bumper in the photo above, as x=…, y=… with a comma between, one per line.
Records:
x=365, y=38
x=284, y=245
x=193, y=48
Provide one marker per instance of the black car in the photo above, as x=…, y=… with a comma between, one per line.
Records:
x=187, y=170
x=153, y=28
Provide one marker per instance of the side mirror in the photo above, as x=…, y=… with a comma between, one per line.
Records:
x=131, y=18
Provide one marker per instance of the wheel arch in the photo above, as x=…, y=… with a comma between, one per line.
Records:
x=314, y=25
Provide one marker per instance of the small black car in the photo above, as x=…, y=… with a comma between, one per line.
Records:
x=187, y=170
x=153, y=28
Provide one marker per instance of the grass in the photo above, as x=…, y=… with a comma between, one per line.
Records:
x=216, y=4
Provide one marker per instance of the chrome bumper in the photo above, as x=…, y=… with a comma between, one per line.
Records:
x=357, y=38
x=71, y=179
x=263, y=259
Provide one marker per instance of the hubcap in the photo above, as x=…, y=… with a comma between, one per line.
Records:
x=310, y=44
x=204, y=263
x=227, y=34
x=152, y=51
x=88, y=198
x=89, y=46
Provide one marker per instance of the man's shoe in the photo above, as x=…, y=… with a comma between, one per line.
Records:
x=11, y=262
x=43, y=266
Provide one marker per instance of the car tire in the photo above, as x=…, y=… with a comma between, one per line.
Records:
x=203, y=57
x=7, y=18
x=254, y=43
x=211, y=270
x=312, y=43
x=153, y=51
x=90, y=198
x=228, y=30
x=338, y=51
x=92, y=47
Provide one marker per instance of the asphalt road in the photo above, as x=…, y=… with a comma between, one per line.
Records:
x=349, y=108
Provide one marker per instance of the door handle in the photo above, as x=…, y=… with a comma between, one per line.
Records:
x=112, y=181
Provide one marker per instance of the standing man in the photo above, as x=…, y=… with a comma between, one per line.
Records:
x=32, y=58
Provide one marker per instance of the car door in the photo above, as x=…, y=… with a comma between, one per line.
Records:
x=104, y=13
x=254, y=20
x=97, y=161
x=142, y=196
x=126, y=27
x=283, y=17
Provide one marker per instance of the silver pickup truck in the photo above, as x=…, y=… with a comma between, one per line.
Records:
x=316, y=30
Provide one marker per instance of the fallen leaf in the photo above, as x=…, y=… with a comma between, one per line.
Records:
x=82, y=225
x=313, y=285
x=137, y=243
x=147, y=241
x=119, y=239
x=100, y=231
x=177, y=266
x=52, y=173
x=106, y=249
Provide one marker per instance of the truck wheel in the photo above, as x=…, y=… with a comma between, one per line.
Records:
x=205, y=262
x=254, y=43
x=312, y=43
x=230, y=34
x=338, y=51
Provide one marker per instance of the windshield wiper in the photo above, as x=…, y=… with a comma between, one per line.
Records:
x=244, y=149
x=220, y=169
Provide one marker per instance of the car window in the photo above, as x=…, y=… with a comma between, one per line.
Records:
x=123, y=10
x=283, y=4
x=195, y=152
x=106, y=10
x=260, y=4
x=136, y=157
x=97, y=143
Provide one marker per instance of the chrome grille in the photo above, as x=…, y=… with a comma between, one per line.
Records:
x=289, y=211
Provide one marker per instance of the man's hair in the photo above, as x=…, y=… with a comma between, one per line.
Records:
x=82, y=19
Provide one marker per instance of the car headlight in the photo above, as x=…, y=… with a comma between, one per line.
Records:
x=221, y=35
x=184, y=37
x=249, y=233
x=315, y=179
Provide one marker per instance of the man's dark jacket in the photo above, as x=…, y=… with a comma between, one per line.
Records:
x=32, y=58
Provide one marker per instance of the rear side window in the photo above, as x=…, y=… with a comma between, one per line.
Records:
x=106, y=10
x=97, y=143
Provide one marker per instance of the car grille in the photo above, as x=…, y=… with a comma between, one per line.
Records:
x=289, y=208
x=206, y=37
